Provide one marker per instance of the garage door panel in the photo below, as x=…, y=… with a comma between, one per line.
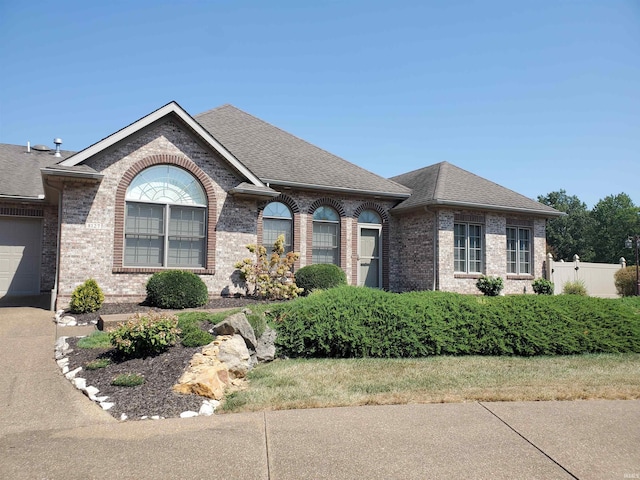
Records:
x=20, y=256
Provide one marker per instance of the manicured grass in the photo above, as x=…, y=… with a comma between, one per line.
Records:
x=313, y=383
x=97, y=339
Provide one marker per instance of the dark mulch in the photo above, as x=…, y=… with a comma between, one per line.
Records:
x=161, y=372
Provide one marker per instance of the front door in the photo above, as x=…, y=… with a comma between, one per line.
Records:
x=369, y=266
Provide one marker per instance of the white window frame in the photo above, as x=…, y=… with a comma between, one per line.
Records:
x=465, y=250
x=519, y=258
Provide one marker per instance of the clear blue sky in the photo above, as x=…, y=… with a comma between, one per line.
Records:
x=534, y=95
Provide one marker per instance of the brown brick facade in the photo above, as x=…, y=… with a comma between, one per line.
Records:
x=417, y=246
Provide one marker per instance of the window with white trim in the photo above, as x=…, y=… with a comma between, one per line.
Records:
x=165, y=219
x=467, y=250
x=277, y=220
x=518, y=251
x=326, y=236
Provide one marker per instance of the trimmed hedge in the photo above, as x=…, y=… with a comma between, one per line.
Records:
x=360, y=322
x=320, y=276
x=176, y=289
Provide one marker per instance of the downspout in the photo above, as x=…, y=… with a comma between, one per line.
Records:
x=54, y=291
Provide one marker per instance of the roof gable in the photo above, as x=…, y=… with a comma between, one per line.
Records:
x=171, y=108
x=278, y=157
x=446, y=184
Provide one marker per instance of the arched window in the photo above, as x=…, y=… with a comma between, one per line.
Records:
x=326, y=236
x=165, y=219
x=277, y=220
x=369, y=216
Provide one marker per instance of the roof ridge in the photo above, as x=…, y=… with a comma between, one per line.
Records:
x=439, y=175
x=301, y=140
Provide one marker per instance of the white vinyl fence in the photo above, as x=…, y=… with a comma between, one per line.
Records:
x=597, y=277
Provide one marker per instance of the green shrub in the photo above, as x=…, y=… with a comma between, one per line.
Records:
x=360, y=322
x=490, y=286
x=176, y=289
x=145, y=334
x=320, y=277
x=625, y=280
x=575, y=288
x=128, y=380
x=269, y=276
x=87, y=297
x=542, y=286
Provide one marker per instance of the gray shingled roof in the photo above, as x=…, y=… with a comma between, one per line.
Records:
x=446, y=184
x=280, y=158
x=20, y=171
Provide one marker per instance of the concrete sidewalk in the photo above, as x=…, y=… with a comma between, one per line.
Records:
x=48, y=430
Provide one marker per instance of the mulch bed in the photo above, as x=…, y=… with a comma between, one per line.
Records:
x=161, y=372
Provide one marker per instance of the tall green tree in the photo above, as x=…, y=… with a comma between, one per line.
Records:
x=570, y=234
x=615, y=218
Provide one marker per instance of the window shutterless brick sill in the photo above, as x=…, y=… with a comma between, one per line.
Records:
x=197, y=271
x=520, y=277
x=473, y=276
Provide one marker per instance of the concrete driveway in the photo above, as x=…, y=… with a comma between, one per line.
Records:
x=49, y=430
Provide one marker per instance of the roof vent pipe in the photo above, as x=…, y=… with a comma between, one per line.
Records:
x=28, y=147
x=58, y=142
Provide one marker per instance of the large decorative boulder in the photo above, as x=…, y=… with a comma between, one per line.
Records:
x=237, y=324
x=235, y=355
x=266, y=348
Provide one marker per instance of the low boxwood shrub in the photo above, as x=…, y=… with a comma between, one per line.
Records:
x=490, y=286
x=320, y=277
x=625, y=281
x=87, y=297
x=542, y=286
x=145, y=334
x=360, y=322
x=575, y=288
x=176, y=289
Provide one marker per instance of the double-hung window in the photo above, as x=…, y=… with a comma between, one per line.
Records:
x=467, y=252
x=326, y=236
x=518, y=251
x=165, y=219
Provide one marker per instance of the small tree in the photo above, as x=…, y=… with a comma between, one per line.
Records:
x=270, y=276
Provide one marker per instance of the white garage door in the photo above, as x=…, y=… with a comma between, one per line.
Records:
x=20, y=254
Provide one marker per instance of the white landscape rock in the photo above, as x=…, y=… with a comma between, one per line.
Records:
x=71, y=375
x=91, y=392
x=188, y=414
x=206, y=409
x=80, y=383
x=106, y=405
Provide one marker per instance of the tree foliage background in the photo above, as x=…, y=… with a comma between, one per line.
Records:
x=596, y=235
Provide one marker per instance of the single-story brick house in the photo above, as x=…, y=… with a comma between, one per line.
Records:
x=175, y=191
